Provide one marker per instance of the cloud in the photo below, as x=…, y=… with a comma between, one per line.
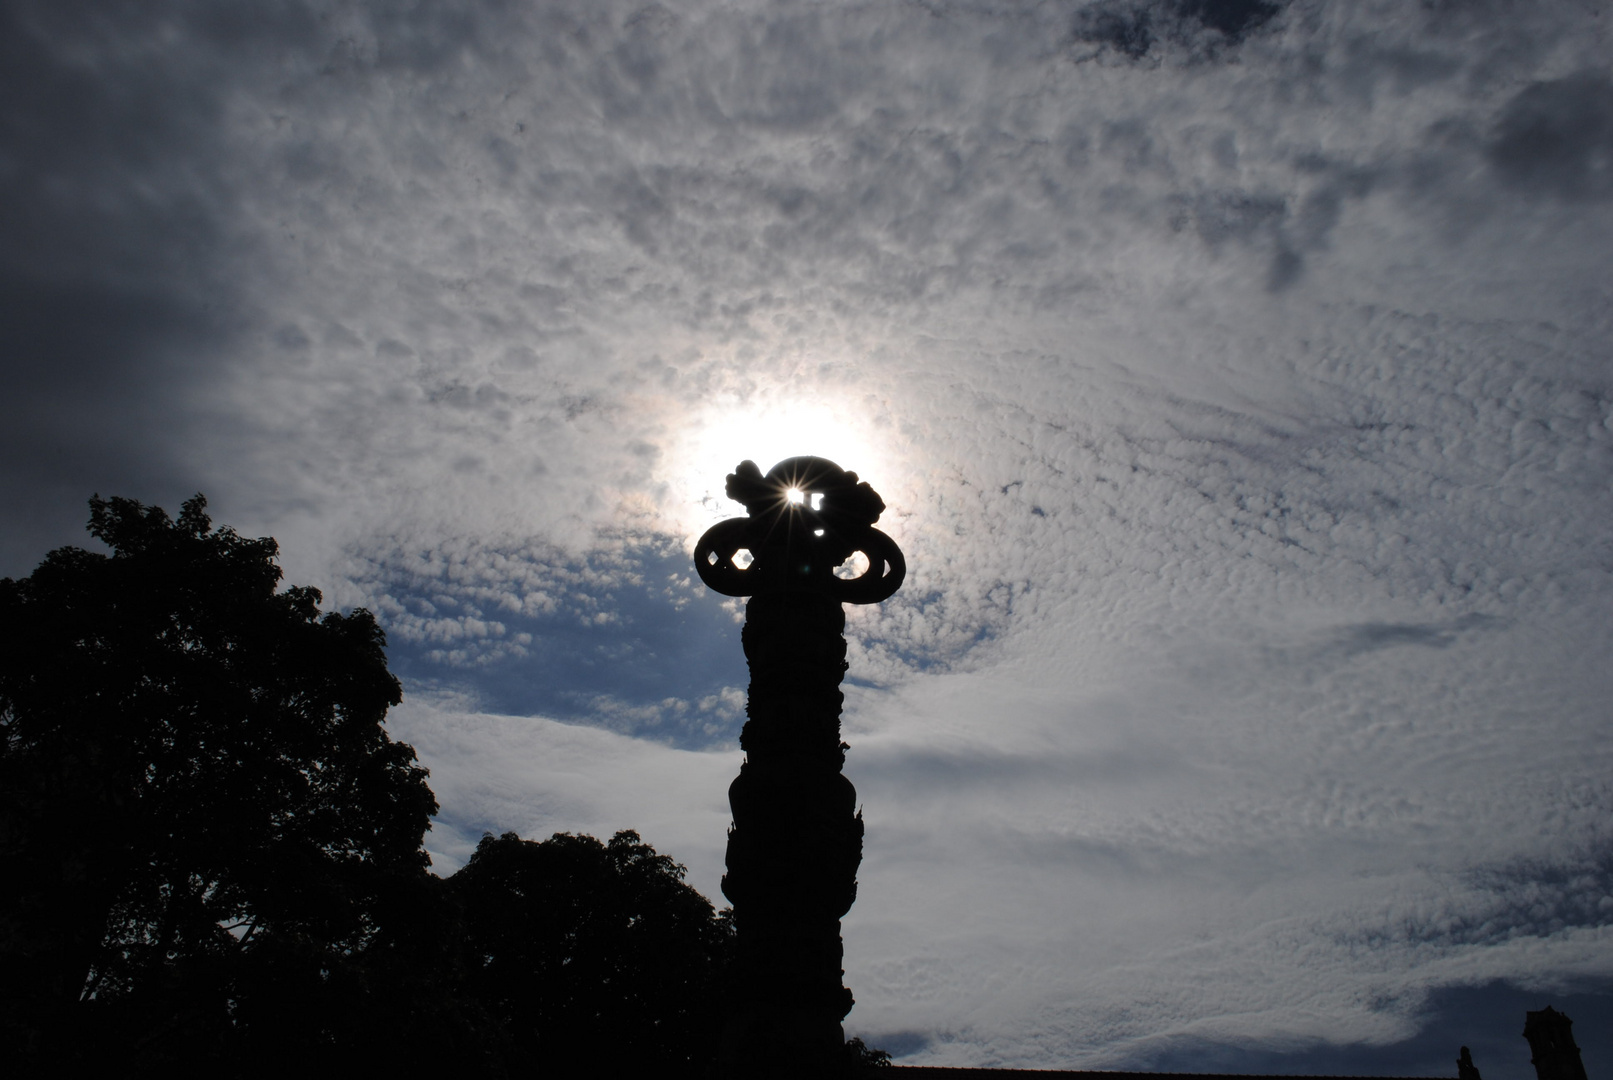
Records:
x=1235, y=375
x=1294, y=862
x=537, y=777
x=1556, y=138
x=624, y=637
x=1133, y=29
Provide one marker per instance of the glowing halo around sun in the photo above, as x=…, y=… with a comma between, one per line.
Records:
x=715, y=441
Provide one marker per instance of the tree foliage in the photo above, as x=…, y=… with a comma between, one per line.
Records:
x=195, y=780
x=860, y=1056
x=214, y=859
x=597, y=958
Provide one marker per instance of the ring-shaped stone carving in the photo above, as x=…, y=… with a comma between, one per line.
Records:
x=886, y=569
x=807, y=517
x=725, y=540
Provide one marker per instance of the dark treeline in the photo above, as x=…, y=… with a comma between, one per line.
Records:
x=213, y=855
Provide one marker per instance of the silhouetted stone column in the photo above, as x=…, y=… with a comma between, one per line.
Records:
x=1554, y=1053
x=796, y=840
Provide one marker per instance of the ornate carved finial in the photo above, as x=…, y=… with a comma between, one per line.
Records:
x=807, y=517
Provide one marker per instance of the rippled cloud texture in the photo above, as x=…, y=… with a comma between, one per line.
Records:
x=1237, y=373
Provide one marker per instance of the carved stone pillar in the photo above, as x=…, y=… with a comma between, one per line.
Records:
x=796, y=840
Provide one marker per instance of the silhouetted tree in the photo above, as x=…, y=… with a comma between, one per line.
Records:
x=599, y=959
x=860, y=1056
x=213, y=850
x=201, y=817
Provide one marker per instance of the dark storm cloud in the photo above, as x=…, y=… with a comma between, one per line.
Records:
x=109, y=162
x=1134, y=27
x=1556, y=139
x=1533, y=896
x=1373, y=636
x=96, y=378
x=118, y=249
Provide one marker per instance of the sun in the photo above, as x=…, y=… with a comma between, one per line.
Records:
x=715, y=441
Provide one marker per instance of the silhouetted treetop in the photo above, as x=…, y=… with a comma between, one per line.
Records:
x=194, y=771
x=596, y=956
x=214, y=861
x=860, y=1056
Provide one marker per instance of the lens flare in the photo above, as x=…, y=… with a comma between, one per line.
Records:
x=713, y=442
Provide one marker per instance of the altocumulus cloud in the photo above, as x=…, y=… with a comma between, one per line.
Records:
x=1236, y=373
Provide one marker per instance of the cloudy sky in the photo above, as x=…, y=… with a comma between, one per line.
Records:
x=1237, y=374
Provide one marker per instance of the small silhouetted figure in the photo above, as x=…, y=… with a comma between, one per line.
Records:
x=1551, y=1040
x=1465, y=1069
x=796, y=841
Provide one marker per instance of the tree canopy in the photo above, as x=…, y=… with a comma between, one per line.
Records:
x=194, y=772
x=214, y=854
x=593, y=954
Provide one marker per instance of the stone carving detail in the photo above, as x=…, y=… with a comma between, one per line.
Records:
x=807, y=517
x=796, y=840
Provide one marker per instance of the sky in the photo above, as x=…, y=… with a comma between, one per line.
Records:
x=1236, y=373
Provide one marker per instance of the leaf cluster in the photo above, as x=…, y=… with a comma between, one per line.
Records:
x=591, y=953
x=214, y=850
